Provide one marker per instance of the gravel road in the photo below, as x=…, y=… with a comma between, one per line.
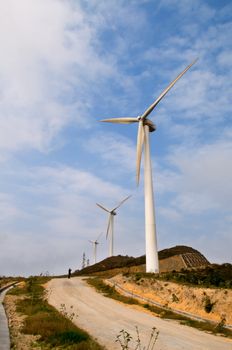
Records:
x=103, y=318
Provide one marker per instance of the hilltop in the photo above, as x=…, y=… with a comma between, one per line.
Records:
x=175, y=258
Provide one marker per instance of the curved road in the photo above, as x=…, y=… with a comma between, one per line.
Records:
x=103, y=318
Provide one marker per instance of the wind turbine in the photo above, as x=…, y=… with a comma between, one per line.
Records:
x=95, y=243
x=110, y=226
x=144, y=128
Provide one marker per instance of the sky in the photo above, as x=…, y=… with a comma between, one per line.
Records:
x=65, y=65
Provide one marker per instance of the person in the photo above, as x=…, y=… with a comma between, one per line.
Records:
x=69, y=272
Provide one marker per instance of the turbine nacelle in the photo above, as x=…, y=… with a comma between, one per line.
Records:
x=150, y=124
x=94, y=242
x=146, y=121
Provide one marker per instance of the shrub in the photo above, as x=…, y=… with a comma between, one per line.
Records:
x=208, y=305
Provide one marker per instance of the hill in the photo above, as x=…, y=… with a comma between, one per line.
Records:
x=174, y=258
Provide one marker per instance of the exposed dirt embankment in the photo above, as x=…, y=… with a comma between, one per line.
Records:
x=208, y=303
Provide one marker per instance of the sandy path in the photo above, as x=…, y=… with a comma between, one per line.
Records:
x=103, y=318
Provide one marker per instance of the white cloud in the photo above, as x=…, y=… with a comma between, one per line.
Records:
x=114, y=150
x=190, y=9
x=206, y=170
x=225, y=58
x=195, y=198
x=8, y=208
x=48, y=55
x=64, y=179
x=57, y=216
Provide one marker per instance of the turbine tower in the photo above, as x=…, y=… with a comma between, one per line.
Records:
x=95, y=243
x=144, y=128
x=110, y=226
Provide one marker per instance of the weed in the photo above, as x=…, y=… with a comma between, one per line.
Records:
x=124, y=338
x=70, y=315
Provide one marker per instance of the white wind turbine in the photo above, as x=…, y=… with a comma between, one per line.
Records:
x=144, y=128
x=110, y=226
x=95, y=243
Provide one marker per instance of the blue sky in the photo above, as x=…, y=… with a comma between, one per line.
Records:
x=65, y=65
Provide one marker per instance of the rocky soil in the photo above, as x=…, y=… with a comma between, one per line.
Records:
x=182, y=297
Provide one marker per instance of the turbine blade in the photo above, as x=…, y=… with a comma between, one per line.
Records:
x=140, y=141
x=91, y=241
x=108, y=227
x=126, y=120
x=154, y=104
x=99, y=205
x=119, y=205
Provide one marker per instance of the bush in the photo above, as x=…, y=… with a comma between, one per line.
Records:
x=211, y=276
x=208, y=305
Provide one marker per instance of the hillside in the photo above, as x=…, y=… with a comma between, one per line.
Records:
x=174, y=258
x=195, y=297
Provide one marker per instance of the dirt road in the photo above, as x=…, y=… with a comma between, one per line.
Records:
x=103, y=318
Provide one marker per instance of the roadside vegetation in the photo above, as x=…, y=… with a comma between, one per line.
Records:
x=109, y=291
x=212, y=276
x=4, y=281
x=54, y=329
x=165, y=313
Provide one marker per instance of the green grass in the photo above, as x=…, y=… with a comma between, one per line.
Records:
x=110, y=292
x=17, y=291
x=52, y=327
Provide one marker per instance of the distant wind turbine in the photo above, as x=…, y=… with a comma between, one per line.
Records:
x=144, y=128
x=110, y=226
x=95, y=243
